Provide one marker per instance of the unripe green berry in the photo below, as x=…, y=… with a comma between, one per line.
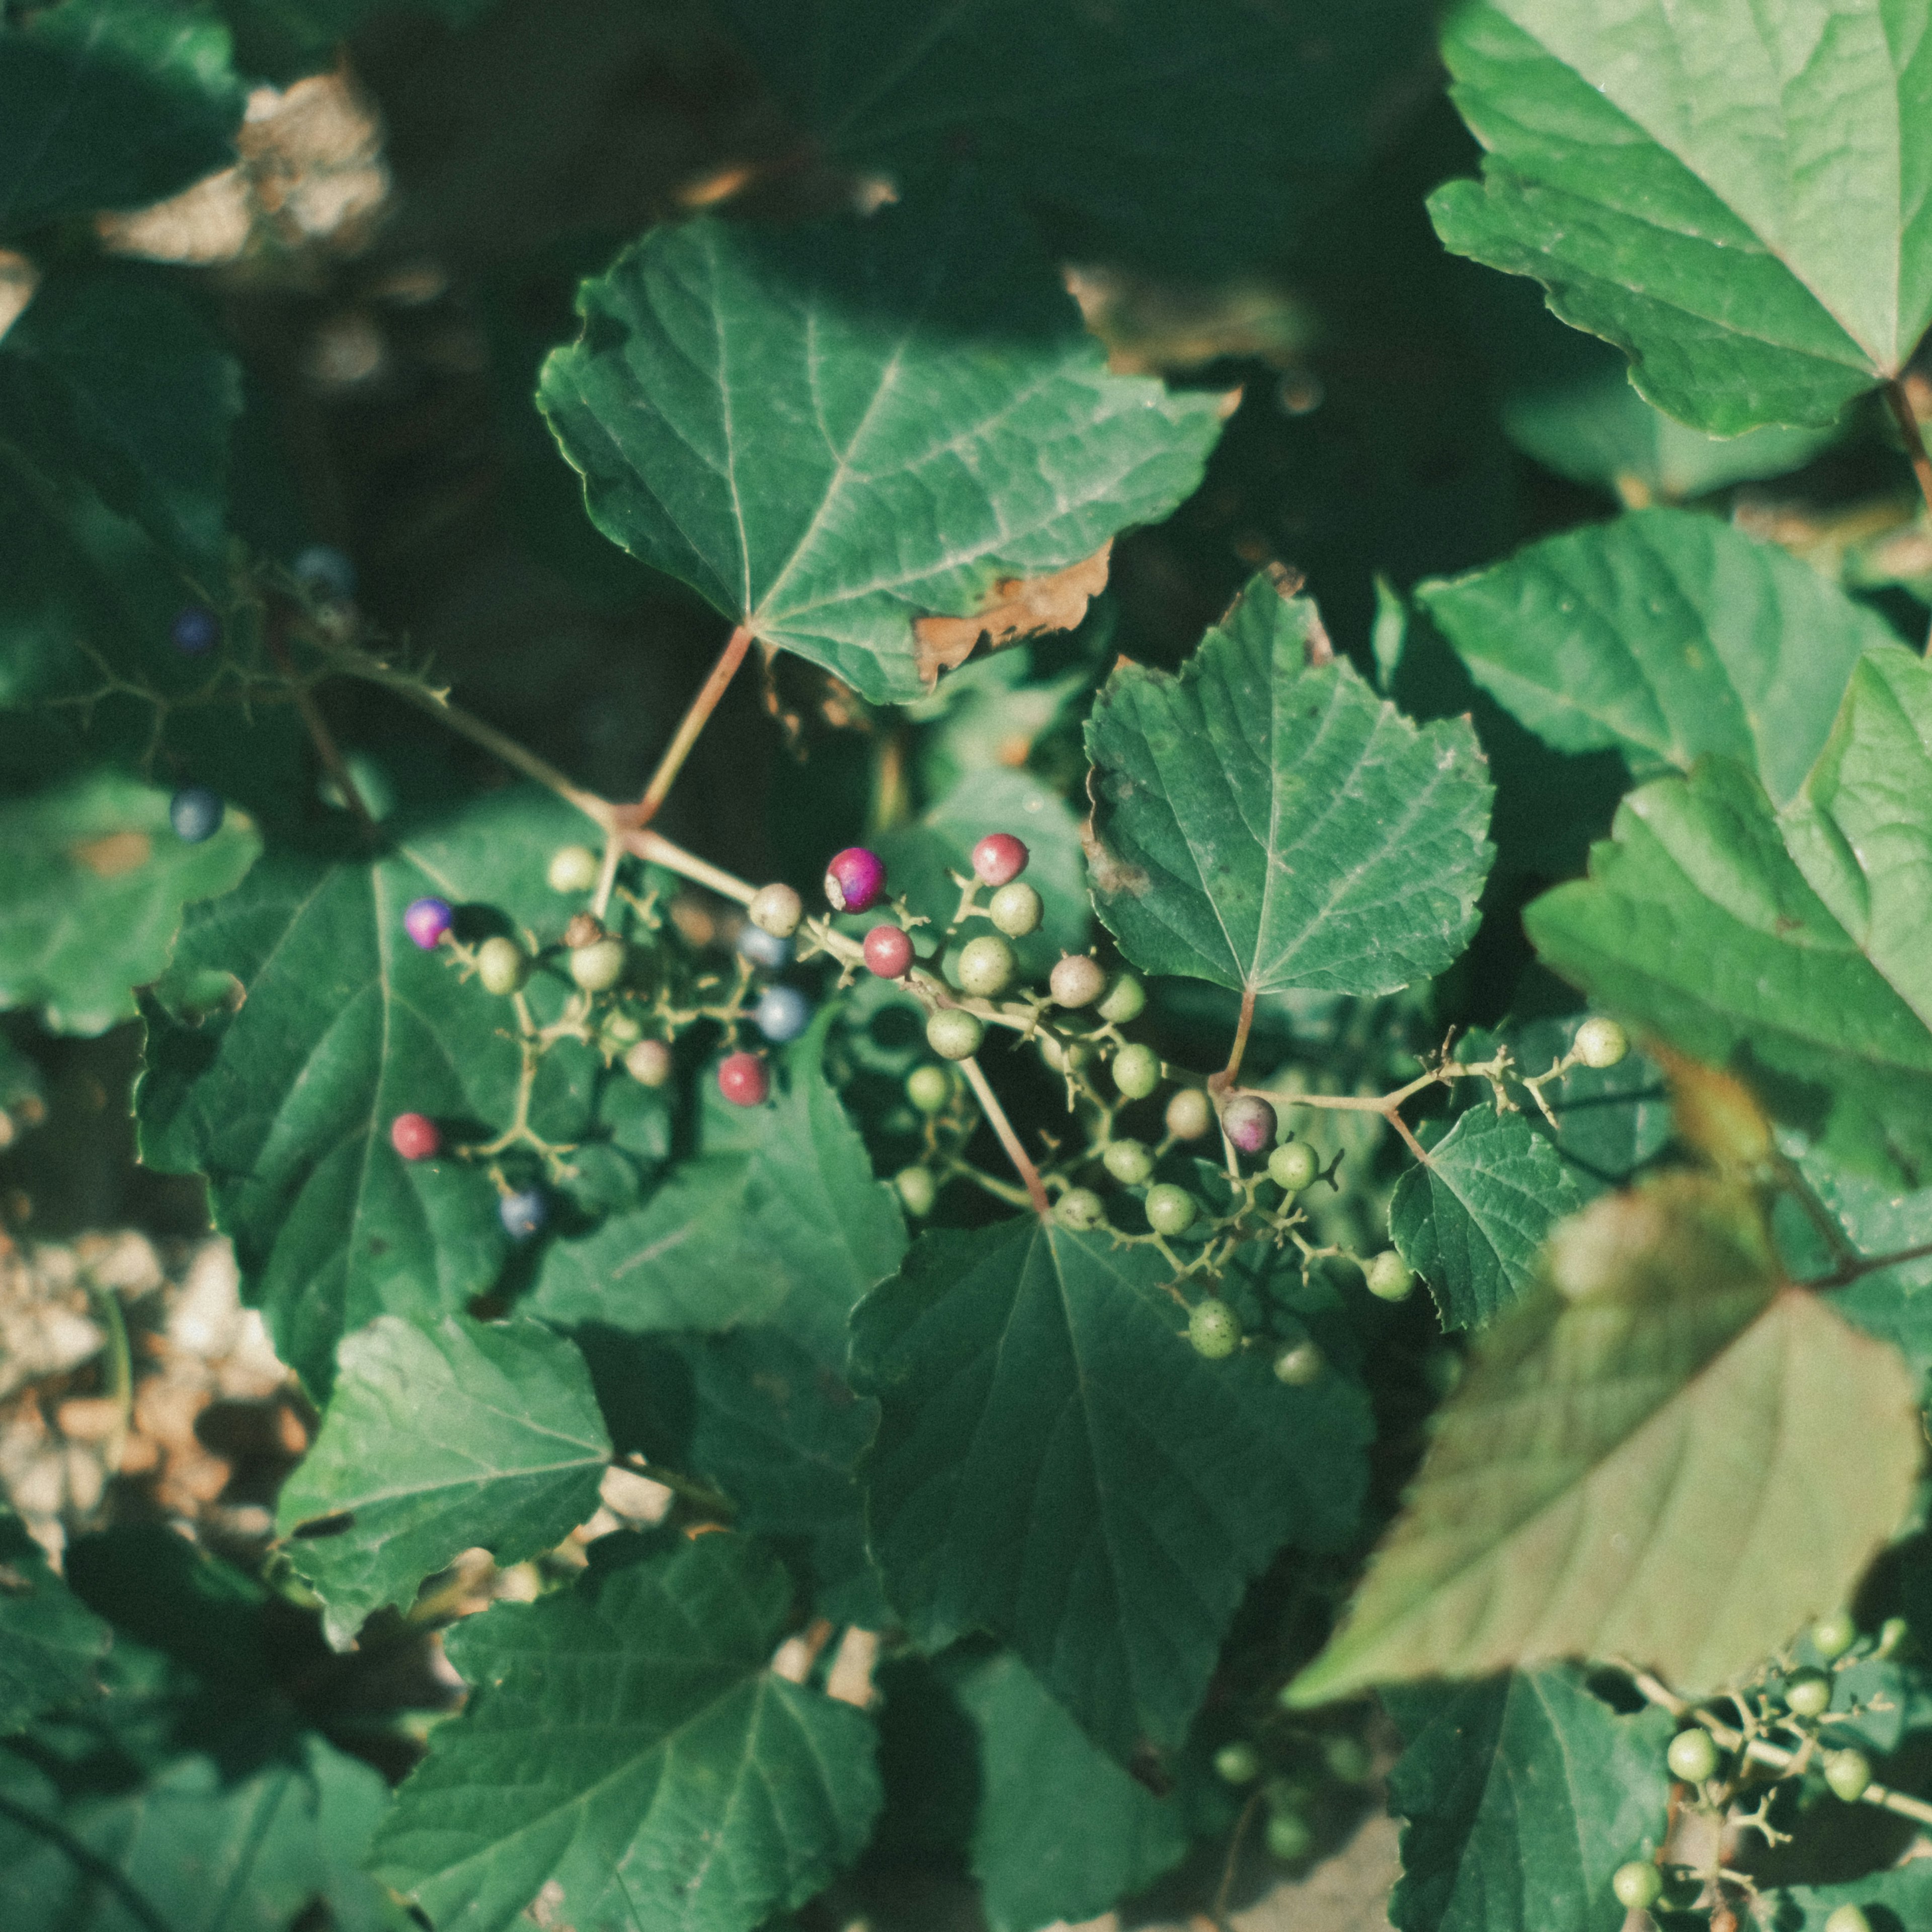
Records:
x=954, y=1034
x=1388, y=1277
x=776, y=909
x=987, y=966
x=1293, y=1165
x=1601, y=1043
x=1077, y=980
x=597, y=967
x=622, y=1029
x=1347, y=1760
x=1137, y=1071
x=1289, y=1837
x=1299, y=1363
x=1068, y=1059
x=1237, y=1763
x=1170, y=1209
x=1847, y=1918
x=1807, y=1693
x=1080, y=1208
x=1016, y=910
x=929, y=1088
x=1638, y=1885
x=1125, y=999
x=501, y=965
x=1848, y=1773
x=1130, y=1162
x=1214, y=1329
x=1832, y=1637
x=649, y=1063
x=1692, y=1757
x=917, y=1189
x=573, y=869
x=1190, y=1114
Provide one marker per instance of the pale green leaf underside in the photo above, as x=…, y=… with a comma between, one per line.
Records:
x=626, y=1743
x=1655, y=1466
x=1795, y=945
x=439, y=1437
x=831, y=432
x=1055, y=1465
x=1663, y=635
x=1265, y=823
x=94, y=880
x=1738, y=196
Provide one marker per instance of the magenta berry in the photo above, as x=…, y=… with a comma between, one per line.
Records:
x=855, y=881
x=414, y=1136
x=1249, y=1122
x=426, y=921
x=889, y=952
x=998, y=857
x=744, y=1080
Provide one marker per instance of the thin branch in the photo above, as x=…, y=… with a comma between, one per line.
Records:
x=1907, y=420
x=694, y=722
x=657, y=850
x=1227, y=1076
x=997, y=1114
x=1218, y=1911
x=317, y=727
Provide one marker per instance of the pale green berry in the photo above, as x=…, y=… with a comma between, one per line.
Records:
x=1388, y=1278
x=1847, y=1918
x=1692, y=1757
x=1130, y=1162
x=1214, y=1329
x=987, y=966
x=776, y=909
x=649, y=1063
x=1076, y=981
x=1807, y=1693
x=1832, y=1636
x=1137, y=1071
x=501, y=965
x=1190, y=1114
x=573, y=869
x=1601, y=1043
x=1125, y=999
x=1638, y=1886
x=1848, y=1773
x=929, y=1088
x=917, y=1189
x=1348, y=1760
x=1293, y=1165
x=1237, y=1763
x=954, y=1034
x=597, y=967
x=1299, y=1363
x=621, y=1029
x=1170, y=1209
x=1016, y=910
x=1080, y=1208
x=1289, y=1838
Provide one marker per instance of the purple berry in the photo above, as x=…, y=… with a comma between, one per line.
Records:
x=1248, y=1122
x=196, y=813
x=855, y=879
x=195, y=629
x=522, y=1214
x=426, y=921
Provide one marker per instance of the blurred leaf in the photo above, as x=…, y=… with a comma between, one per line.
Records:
x=1631, y=1468
x=50, y=1644
x=626, y=1743
x=1755, y=266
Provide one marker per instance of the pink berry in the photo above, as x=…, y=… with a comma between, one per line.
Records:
x=426, y=921
x=1250, y=1123
x=998, y=858
x=855, y=879
x=889, y=952
x=744, y=1080
x=414, y=1136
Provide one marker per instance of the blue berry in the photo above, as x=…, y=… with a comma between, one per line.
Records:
x=325, y=572
x=763, y=949
x=522, y=1214
x=195, y=813
x=781, y=1014
x=195, y=629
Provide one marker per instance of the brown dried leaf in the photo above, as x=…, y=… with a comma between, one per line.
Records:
x=1024, y=606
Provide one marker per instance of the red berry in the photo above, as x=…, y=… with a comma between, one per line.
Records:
x=744, y=1080
x=889, y=952
x=998, y=857
x=414, y=1136
x=855, y=879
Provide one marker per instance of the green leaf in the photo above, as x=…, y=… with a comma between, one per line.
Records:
x=1666, y=636
x=51, y=1644
x=1520, y=1796
x=111, y=103
x=1202, y=139
x=440, y=1437
x=1472, y=1221
x=1054, y=1465
x=284, y=1099
x=1894, y=1303
x=1795, y=946
x=624, y=1743
x=1062, y=1831
x=1756, y=267
x=95, y=881
x=1636, y=1463
x=1267, y=824
x=832, y=432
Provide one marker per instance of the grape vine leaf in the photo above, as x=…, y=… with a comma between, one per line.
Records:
x=1266, y=823
x=1054, y=1466
x=1755, y=266
x=1519, y=1796
x=1893, y=1303
x=51, y=1644
x=335, y=1023
x=1663, y=635
x=95, y=879
x=1061, y=1830
x=111, y=103
x=1648, y=1459
x=626, y=1743
x=833, y=433
x=1202, y=139
x=439, y=1437
x=1794, y=946
x=1472, y=1221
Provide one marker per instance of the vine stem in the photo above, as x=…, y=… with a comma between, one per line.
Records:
x=1855, y=1265
x=1218, y=1911
x=989, y=1103
x=694, y=722
x=1759, y=1749
x=120, y=1373
x=1906, y=417
x=316, y=726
